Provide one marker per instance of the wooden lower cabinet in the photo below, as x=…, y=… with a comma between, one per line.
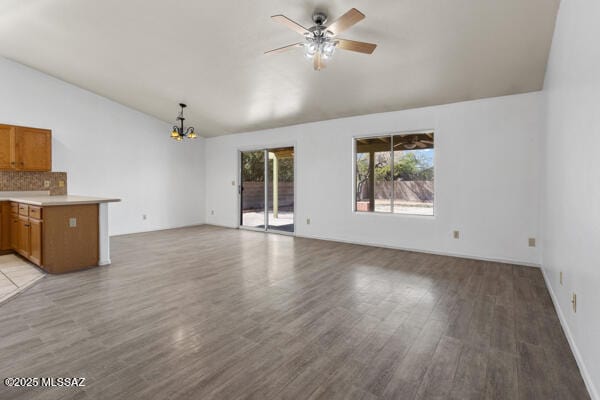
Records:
x=23, y=239
x=14, y=231
x=35, y=241
x=5, y=222
x=56, y=238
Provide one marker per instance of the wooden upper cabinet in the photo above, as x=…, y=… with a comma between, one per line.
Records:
x=25, y=149
x=33, y=149
x=7, y=147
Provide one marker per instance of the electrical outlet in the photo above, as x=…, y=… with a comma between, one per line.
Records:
x=456, y=234
x=61, y=183
x=144, y=217
x=531, y=242
x=307, y=221
x=46, y=184
x=574, y=302
x=560, y=278
x=212, y=212
x=72, y=222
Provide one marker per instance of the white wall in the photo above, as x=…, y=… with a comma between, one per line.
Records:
x=109, y=150
x=572, y=185
x=487, y=166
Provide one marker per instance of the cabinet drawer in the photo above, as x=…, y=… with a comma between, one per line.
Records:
x=24, y=209
x=35, y=212
x=14, y=208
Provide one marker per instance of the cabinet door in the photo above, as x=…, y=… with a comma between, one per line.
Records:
x=5, y=225
x=23, y=239
x=7, y=147
x=33, y=149
x=14, y=231
x=35, y=241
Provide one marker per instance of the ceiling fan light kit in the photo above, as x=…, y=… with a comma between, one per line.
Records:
x=320, y=41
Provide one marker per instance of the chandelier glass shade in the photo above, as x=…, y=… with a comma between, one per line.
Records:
x=179, y=132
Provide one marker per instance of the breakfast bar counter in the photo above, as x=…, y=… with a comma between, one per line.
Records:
x=47, y=200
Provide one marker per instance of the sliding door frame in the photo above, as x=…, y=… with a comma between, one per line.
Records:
x=265, y=149
x=239, y=188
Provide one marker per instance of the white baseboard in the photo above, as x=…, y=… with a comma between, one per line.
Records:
x=371, y=244
x=584, y=372
x=438, y=253
x=158, y=230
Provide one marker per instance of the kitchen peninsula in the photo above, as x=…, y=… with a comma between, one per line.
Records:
x=57, y=233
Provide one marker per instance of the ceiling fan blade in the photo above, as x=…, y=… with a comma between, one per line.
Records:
x=282, y=19
x=345, y=21
x=284, y=48
x=352, y=45
x=421, y=145
x=318, y=62
x=427, y=141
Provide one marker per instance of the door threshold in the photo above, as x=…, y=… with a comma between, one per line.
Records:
x=247, y=228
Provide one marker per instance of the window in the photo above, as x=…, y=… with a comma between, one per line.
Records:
x=394, y=174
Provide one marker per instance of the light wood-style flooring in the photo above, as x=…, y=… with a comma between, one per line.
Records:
x=207, y=312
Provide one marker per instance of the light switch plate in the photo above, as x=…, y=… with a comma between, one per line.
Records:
x=456, y=234
x=531, y=242
x=72, y=222
x=61, y=183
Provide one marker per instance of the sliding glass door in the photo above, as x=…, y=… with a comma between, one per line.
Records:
x=253, y=189
x=280, y=189
x=267, y=189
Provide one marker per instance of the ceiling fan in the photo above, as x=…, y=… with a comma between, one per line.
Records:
x=409, y=142
x=320, y=41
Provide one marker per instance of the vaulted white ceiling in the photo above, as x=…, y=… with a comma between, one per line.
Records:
x=151, y=55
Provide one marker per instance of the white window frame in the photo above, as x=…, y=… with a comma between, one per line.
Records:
x=391, y=135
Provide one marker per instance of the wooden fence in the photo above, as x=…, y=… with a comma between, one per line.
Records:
x=254, y=193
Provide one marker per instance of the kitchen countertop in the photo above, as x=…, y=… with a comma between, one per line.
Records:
x=46, y=200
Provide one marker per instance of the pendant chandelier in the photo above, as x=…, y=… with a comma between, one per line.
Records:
x=180, y=132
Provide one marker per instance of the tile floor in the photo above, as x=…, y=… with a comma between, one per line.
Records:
x=15, y=275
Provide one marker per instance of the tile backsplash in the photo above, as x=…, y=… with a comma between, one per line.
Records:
x=21, y=181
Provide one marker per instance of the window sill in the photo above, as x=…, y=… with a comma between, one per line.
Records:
x=380, y=213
